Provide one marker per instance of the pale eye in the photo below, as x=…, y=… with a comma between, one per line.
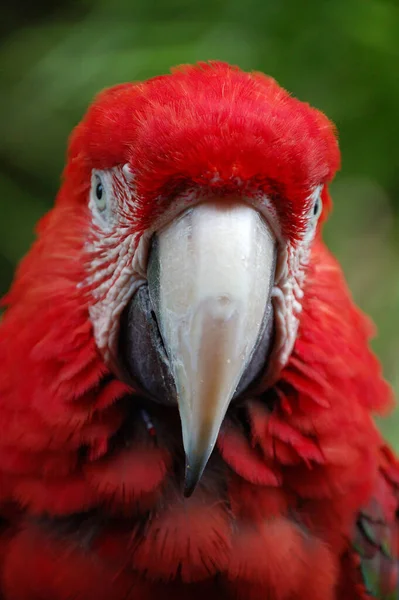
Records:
x=313, y=214
x=317, y=207
x=99, y=194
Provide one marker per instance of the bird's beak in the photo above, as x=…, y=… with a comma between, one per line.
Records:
x=210, y=276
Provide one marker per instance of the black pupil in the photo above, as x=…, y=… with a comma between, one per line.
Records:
x=316, y=207
x=99, y=190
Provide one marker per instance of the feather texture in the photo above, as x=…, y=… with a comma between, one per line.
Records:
x=300, y=498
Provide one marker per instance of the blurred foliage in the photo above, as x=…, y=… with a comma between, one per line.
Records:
x=340, y=55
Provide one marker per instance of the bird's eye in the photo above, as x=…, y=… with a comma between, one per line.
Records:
x=100, y=195
x=317, y=207
x=99, y=190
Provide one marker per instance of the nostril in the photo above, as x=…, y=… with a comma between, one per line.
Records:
x=224, y=300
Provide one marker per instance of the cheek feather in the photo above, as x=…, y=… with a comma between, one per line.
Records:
x=117, y=264
x=118, y=252
x=111, y=278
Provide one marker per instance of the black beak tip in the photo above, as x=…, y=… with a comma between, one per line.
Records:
x=192, y=476
x=188, y=489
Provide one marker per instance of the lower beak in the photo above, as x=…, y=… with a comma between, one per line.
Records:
x=210, y=277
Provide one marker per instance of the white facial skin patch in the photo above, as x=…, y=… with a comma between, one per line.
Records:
x=117, y=259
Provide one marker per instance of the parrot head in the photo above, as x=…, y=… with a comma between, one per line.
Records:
x=188, y=211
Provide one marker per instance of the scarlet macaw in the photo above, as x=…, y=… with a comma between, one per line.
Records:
x=186, y=386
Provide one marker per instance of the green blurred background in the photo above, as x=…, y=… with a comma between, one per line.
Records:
x=340, y=55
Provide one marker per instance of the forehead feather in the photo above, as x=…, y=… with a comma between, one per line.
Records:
x=209, y=124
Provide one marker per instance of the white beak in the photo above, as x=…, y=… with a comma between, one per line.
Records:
x=215, y=271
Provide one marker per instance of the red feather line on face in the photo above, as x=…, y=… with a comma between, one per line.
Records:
x=316, y=454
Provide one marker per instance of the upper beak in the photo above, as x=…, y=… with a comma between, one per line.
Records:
x=210, y=278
